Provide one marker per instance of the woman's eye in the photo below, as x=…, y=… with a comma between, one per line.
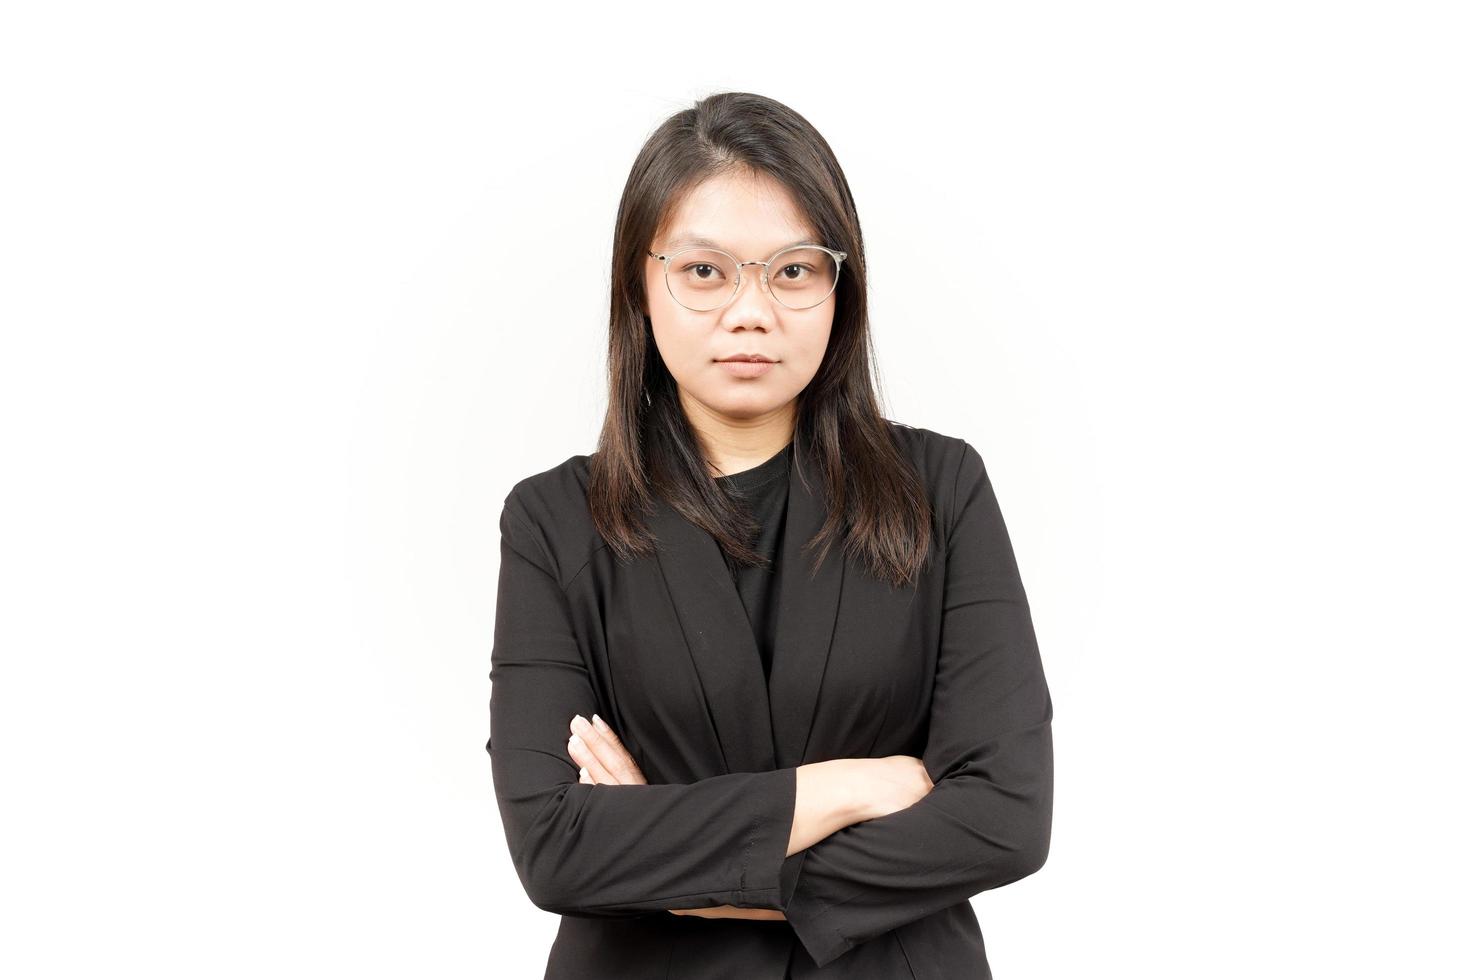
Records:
x=701, y=270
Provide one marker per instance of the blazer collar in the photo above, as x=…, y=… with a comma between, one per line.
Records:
x=759, y=727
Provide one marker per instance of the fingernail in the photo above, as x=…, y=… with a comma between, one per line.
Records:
x=601, y=725
x=579, y=724
x=575, y=741
x=582, y=772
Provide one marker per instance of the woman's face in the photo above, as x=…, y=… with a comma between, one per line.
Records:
x=751, y=217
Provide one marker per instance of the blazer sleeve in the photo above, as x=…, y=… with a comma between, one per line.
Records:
x=603, y=851
x=987, y=821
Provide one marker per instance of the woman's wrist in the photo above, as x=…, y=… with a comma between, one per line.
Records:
x=854, y=797
x=829, y=796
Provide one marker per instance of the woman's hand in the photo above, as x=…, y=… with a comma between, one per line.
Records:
x=894, y=782
x=596, y=748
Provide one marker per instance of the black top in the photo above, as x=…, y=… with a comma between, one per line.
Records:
x=763, y=490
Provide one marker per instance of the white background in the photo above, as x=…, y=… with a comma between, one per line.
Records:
x=294, y=292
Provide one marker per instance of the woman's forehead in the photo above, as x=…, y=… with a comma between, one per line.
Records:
x=740, y=213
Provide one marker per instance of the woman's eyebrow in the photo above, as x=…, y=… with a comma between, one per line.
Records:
x=699, y=241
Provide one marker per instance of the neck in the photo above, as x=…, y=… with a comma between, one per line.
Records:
x=734, y=444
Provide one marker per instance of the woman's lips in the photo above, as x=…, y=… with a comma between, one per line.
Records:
x=746, y=369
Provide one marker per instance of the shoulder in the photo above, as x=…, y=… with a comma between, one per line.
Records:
x=547, y=512
x=556, y=493
x=947, y=464
x=927, y=446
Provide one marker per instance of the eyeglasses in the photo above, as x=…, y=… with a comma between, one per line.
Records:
x=705, y=279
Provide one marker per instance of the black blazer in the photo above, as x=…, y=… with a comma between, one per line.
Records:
x=947, y=670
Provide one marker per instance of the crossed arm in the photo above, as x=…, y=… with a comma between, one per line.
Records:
x=604, y=761
x=829, y=795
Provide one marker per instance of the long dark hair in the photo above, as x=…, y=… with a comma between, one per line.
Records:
x=647, y=447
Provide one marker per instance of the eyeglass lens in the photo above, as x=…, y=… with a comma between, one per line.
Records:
x=704, y=279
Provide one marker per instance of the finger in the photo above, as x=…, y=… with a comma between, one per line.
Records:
x=605, y=730
x=609, y=748
x=583, y=755
x=630, y=773
x=585, y=737
x=610, y=753
x=585, y=776
x=587, y=763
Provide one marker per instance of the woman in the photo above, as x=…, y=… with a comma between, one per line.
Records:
x=766, y=698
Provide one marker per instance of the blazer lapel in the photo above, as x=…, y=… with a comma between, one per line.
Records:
x=717, y=632
x=758, y=727
x=806, y=614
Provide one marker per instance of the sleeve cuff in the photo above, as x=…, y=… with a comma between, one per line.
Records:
x=763, y=869
x=790, y=874
x=817, y=933
x=769, y=878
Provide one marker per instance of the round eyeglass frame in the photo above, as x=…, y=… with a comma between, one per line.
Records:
x=740, y=278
